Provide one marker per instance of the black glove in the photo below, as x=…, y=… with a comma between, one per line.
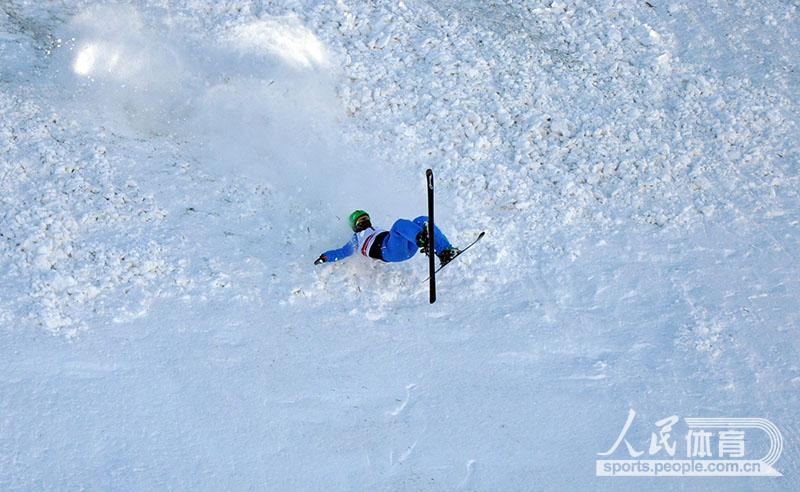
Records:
x=321, y=259
x=422, y=240
x=422, y=237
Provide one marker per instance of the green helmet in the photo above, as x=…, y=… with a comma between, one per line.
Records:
x=355, y=216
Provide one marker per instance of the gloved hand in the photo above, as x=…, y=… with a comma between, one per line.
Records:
x=321, y=259
x=422, y=237
x=422, y=240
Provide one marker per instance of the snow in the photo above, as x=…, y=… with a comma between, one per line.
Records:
x=169, y=172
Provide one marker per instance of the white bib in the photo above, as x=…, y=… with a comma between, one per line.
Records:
x=366, y=238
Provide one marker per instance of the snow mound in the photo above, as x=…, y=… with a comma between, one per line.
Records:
x=285, y=37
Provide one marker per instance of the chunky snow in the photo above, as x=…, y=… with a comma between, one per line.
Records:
x=170, y=170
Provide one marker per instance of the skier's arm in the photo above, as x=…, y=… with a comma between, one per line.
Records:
x=341, y=253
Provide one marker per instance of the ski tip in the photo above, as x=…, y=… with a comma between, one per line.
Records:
x=429, y=172
x=483, y=233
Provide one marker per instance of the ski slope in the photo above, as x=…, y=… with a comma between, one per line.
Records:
x=169, y=171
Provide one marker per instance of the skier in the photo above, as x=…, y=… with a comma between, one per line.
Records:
x=398, y=244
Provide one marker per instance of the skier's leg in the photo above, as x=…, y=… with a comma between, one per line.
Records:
x=407, y=230
x=401, y=243
x=441, y=242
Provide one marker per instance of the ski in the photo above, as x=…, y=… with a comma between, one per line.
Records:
x=431, y=236
x=480, y=236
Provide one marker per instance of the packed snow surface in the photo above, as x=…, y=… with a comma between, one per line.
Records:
x=169, y=171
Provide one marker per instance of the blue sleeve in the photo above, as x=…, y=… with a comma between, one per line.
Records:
x=343, y=252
